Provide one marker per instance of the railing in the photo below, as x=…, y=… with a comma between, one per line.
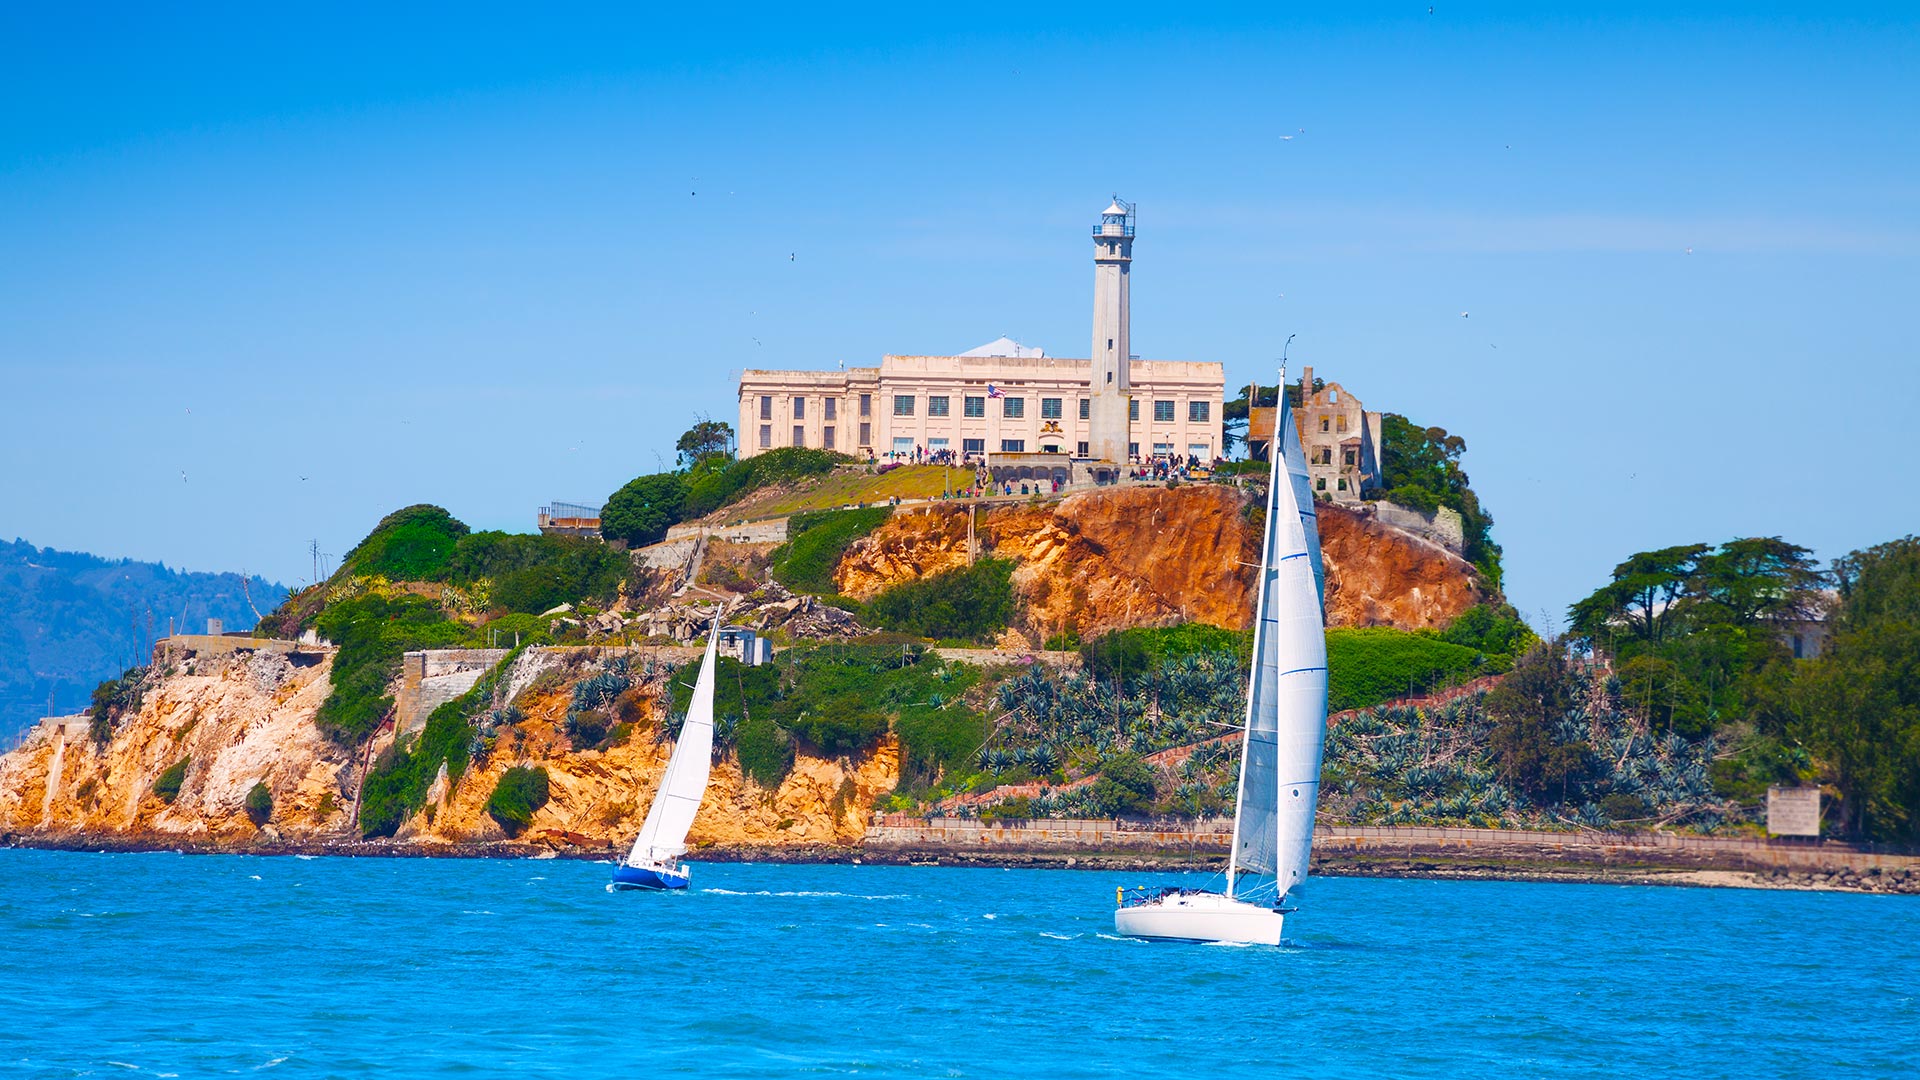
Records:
x=1113, y=230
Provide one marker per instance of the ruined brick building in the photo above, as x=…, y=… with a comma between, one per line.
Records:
x=1341, y=438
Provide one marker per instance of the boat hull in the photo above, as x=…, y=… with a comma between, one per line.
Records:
x=1200, y=916
x=649, y=878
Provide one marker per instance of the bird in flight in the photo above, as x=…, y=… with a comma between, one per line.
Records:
x=1463, y=315
x=183, y=476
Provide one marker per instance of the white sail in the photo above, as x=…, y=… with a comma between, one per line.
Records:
x=664, y=835
x=1287, y=688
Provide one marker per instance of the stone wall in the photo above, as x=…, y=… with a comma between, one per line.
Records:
x=429, y=678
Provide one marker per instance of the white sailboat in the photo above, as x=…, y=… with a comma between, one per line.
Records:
x=1285, y=725
x=654, y=863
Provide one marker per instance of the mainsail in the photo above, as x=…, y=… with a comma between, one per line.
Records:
x=664, y=835
x=1287, y=688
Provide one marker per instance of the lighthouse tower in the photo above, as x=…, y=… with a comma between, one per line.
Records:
x=1112, y=261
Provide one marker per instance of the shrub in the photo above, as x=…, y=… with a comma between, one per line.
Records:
x=1494, y=629
x=167, y=785
x=970, y=603
x=396, y=786
x=520, y=792
x=1125, y=787
x=764, y=750
x=815, y=543
x=1134, y=655
x=842, y=726
x=533, y=573
x=411, y=544
x=716, y=482
x=641, y=511
x=259, y=803
x=373, y=631
x=1369, y=665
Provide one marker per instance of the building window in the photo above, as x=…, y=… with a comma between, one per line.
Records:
x=1133, y=408
x=1348, y=455
x=1046, y=449
x=1323, y=455
x=766, y=407
x=937, y=406
x=1049, y=408
x=1086, y=408
x=766, y=435
x=799, y=408
x=1133, y=449
x=1333, y=397
x=1013, y=408
x=1165, y=448
x=1320, y=484
x=1199, y=450
x=1013, y=446
x=866, y=434
x=973, y=407
x=1083, y=446
x=799, y=435
x=1199, y=411
x=1343, y=483
x=1324, y=421
x=826, y=437
x=973, y=446
x=903, y=404
x=1340, y=422
x=1163, y=412
x=831, y=402
x=902, y=446
x=934, y=446
x=866, y=404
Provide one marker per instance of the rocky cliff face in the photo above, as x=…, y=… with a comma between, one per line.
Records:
x=1105, y=560
x=248, y=718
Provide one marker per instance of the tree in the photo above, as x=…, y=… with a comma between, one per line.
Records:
x=1643, y=595
x=1125, y=787
x=705, y=439
x=1857, y=706
x=1527, y=708
x=259, y=803
x=641, y=512
x=1750, y=580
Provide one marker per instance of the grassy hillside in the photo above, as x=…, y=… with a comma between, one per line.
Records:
x=847, y=484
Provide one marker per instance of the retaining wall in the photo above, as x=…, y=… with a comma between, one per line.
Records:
x=429, y=678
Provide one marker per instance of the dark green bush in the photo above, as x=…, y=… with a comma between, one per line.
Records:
x=764, y=749
x=259, y=803
x=970, y=603
x=1125, y=787
x=532, y=573
x=641, y=511
x=412, y=544
x=840, y=725
x=815, y=543
x=1369, y=665
x=167, y=785
x=520, y=793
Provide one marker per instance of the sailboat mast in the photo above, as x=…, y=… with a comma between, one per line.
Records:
x=1259, y=612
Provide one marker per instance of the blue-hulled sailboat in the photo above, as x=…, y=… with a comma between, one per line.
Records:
x=654, y=863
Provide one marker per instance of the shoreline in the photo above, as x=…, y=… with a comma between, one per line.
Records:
x=1435, y=865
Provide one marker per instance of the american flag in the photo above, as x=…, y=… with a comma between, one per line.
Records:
x=994, y=391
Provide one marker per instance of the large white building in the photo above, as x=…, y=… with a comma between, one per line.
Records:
x=1003, y=398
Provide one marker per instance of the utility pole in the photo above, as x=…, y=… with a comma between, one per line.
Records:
x=313, y=548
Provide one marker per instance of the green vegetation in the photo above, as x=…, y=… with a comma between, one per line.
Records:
x=396, y=787
x=114, y=699
x=1137, y=656
x=259, y=803
x=1125, y=787
x=970, y=603
x=1421, y=470
x=715, y=481
x=1368, y=665
x=815, y=542
x=839, y=699
x=705, y=440
x=167, y=784
x=1495, y=630
x=517, y=796
x=411, y=544
x=531, y=573
x=373, y=631
x=1857, y=707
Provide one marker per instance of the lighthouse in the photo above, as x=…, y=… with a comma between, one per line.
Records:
x=1112, y=262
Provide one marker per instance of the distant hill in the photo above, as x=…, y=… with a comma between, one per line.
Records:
x=69, y=620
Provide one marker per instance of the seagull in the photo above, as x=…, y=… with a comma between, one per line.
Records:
x=789, y=256
x=183, y=476
x=1689, y=251
x=303, y=478
x=1463, y=315
x=1286, y=138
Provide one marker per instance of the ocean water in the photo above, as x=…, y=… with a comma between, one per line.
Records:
x=170, y=965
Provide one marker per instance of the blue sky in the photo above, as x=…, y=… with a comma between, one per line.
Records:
x=462, y=256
